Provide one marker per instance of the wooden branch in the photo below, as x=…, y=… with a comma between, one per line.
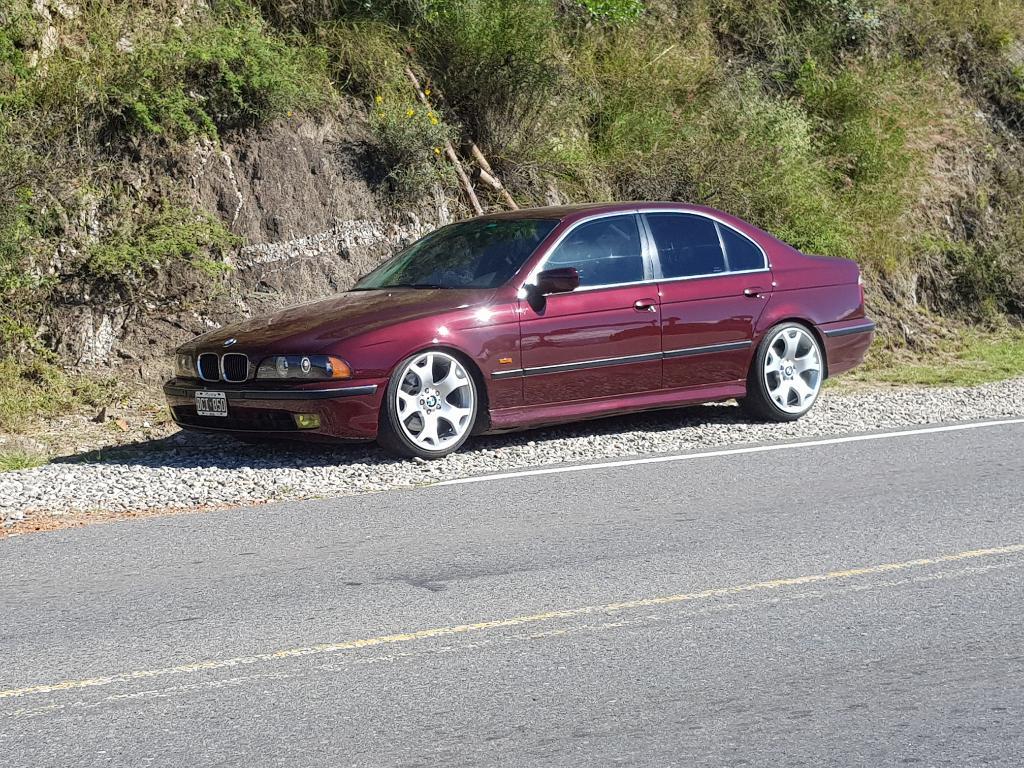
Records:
x=489, y=177
x=449, y=150
x=467, y=185
x=480, y=159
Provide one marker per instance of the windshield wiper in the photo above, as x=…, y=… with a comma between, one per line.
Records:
x=416, y=285
x=400, y=285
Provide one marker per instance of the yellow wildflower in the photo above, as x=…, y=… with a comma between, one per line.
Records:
x=379, y=99
x=426, y=92
x=437, y=150
x=410, y=112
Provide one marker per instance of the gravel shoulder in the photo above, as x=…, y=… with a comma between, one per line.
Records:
x=189, y=472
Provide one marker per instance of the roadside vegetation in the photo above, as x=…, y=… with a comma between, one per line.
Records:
x=987, y=358
x=884, y=131
x=20, y=459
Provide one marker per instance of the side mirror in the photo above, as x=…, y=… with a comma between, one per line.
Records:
x=561, y=280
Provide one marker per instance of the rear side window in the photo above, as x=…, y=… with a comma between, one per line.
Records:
x=743, y=254
x=605, y=252
x=687, y=245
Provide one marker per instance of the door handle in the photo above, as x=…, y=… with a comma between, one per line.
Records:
x=645, y=305
x=755, y=292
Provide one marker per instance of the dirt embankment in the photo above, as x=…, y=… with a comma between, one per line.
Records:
x=304, y=198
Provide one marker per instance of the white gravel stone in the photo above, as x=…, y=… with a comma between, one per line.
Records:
x=191, y=470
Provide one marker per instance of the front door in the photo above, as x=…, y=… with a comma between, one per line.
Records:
x=604, y=338
x=714, y=284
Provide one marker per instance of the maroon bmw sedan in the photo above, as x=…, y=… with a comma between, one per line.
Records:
x=535, y=317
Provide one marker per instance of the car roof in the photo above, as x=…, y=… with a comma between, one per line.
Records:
x=580, y=210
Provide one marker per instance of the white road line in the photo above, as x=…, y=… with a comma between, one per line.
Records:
x=732, y=451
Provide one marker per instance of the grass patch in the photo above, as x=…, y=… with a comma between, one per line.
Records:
x=38, y=389
x=980, y=361
x=20, y=459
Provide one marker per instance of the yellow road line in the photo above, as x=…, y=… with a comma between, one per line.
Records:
x=384, y=656
x=482, y=626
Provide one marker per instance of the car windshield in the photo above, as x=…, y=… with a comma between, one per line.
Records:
x=470, y=254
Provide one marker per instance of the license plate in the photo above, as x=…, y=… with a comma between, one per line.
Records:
x=211, y=404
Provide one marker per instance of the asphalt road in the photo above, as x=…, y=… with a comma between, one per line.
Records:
x=847, y=603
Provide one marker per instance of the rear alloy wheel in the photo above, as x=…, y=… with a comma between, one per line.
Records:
x=430, y=406
x=785, y=375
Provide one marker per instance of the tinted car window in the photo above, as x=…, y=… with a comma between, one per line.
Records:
x=743, y=254
x=687, y=245
x=605, y=252
x=480, y=253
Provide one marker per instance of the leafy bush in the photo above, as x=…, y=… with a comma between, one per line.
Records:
x=148, y=239
x=497, y=64
x=412, y=140
x=211, y=73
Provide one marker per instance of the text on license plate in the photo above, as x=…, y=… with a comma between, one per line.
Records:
x=211, y=404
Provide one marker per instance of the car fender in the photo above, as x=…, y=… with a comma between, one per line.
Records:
x=487, y=338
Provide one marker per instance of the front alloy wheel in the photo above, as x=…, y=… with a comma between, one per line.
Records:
x=430, y=406
x=785, y=375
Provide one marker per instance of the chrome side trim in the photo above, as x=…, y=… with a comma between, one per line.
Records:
x=276, y=394
x=600, y=363
x=862, y=328
x=563, y=367
x=607, y=361
x=512, y=373
x=710, y=348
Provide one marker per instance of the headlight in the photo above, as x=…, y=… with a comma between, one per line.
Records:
x=304, y=368
x=184, y=366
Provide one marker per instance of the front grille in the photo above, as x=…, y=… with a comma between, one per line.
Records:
x=241, y=419
x=207, y=365
x=235, y=367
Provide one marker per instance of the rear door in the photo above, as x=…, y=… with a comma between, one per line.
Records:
x=604, y=338
x=713, y=285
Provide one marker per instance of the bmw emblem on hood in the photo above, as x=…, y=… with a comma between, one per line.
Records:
x=230, y=341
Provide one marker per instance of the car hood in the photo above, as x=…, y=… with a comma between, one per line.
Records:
x=313, y=327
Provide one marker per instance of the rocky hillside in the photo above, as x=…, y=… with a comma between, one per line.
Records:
x=168, y=164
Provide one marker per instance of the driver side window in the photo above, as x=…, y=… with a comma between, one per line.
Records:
x=605, y=252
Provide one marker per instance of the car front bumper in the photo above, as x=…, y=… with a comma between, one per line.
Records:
x=348, y=412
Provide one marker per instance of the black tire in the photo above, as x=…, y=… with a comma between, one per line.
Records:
x=759, y=403
x=394, y=439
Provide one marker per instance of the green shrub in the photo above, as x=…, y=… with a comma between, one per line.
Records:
x=146, y=240
x=366, y=57
x=213, y=72
x=215, y=77
x=498, y=65
x=412, y=140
